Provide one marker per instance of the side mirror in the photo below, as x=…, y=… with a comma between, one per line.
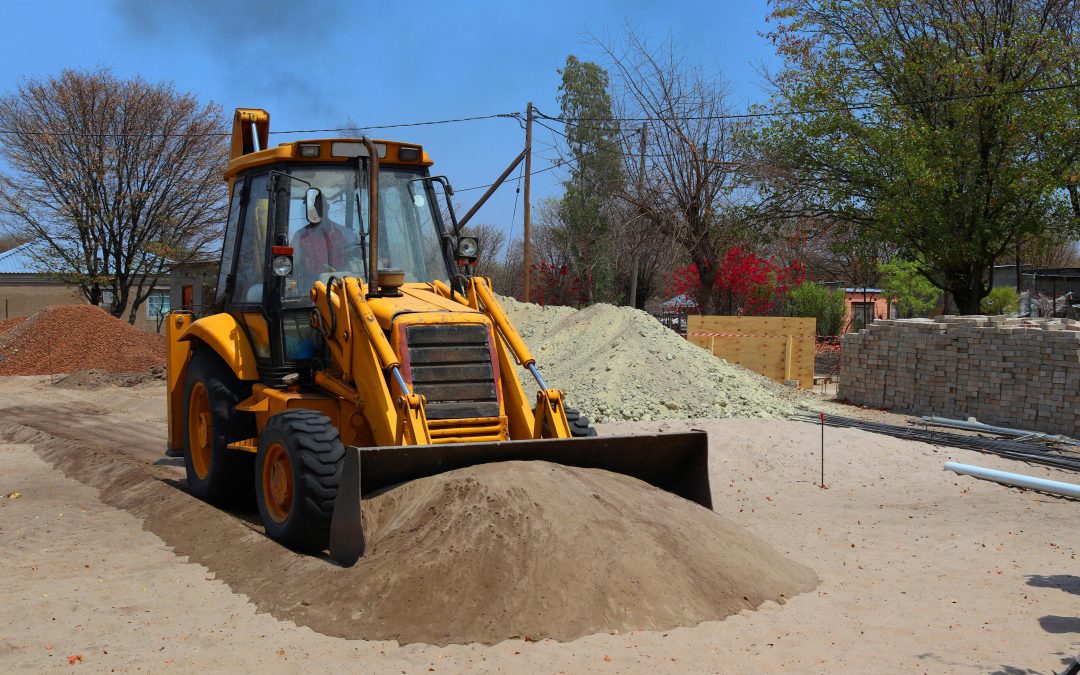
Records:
x=313, y=201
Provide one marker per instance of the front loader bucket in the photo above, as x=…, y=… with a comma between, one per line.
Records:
x=677, y=463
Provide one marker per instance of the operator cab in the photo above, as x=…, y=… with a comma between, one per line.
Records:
x=298, y=213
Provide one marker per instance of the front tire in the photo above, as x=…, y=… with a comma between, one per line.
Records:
x=211, y=391
x=297, y=473
x=579, y=424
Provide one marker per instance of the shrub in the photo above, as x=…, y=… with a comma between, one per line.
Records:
x=1002, y=300
x=828, y=307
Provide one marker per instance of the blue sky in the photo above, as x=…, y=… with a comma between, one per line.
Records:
x=318, y=63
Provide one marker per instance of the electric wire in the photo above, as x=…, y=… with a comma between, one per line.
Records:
x=556, y=118
x=818, y=111
x=84, y=134
x=513, y=215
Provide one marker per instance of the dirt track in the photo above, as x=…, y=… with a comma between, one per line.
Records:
x=921, y=570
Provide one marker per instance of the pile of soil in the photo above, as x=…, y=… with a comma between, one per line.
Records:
x=619, y=363
x=68, y=338
x=482, y=554
x=92, y=378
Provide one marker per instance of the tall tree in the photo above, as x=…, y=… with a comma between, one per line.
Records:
x=113, y=180
x=596, y=175
x=689, y=193
x=943, y=127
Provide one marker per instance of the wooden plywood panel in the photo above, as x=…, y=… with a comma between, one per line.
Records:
x=780, y=348
x=763, y=355
x=753, y=325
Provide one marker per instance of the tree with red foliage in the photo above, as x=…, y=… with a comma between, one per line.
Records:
x=744, y=283
x=554, y=285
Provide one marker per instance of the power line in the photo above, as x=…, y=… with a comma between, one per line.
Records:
x=564, y=120
x=818, y=111
x=556, y=165
x=513, y=216
x=83, y=134
x=619, y=151
x=514, y=115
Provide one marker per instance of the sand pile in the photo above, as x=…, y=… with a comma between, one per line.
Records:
x=482, y=554
x=619, y=363
x=67, y=338
x=535, y=549
x=93, y=378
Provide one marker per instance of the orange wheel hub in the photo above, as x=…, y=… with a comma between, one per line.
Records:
x=200, y=430
x=277, y=482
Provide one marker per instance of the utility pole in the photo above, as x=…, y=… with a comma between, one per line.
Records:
x=527, y=254
x=641, y=213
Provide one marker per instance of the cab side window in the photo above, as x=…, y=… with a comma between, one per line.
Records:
x=251, y=262
x=230, y=239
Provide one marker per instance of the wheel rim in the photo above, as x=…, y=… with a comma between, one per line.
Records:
x=277, y=482
x=200, y=431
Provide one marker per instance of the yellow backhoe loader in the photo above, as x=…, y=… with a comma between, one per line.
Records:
x=351, y=348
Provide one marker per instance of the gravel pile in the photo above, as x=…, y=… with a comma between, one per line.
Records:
x=619, y=363
x=8, y=324
x=68, y=338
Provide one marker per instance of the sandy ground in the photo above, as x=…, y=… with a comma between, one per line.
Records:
x=922, y=570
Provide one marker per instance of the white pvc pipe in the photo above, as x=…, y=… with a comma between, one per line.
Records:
x=1016, y=479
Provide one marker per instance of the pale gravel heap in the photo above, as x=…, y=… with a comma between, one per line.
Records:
x=621, y=364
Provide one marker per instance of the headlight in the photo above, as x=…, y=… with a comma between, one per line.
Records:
x=467, y=247
x=282, y=265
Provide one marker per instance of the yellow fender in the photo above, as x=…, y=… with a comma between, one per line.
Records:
x=220, y=332
x=223, y=334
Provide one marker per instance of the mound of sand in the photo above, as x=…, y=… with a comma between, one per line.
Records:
x=619, y=363
x=68, y=338
x=92, y=378
x=534, y=549
x=481, y=554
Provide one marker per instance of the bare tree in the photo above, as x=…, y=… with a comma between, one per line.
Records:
x=113, y=180
x=689, y=193
x=489, y=241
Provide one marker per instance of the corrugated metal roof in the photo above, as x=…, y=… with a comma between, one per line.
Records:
x=19, y=261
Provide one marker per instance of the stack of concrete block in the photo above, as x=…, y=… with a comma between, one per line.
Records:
x=1022, y=373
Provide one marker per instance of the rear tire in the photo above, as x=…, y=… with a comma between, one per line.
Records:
x=579, y=424
x=211, y=391
x=297, y=473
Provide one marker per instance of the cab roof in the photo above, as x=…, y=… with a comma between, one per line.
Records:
x=329, y=150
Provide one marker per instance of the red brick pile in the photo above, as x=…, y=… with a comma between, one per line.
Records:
x=69, y=338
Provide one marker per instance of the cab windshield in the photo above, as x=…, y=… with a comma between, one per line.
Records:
x=338, y=246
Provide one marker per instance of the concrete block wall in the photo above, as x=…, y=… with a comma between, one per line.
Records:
x=1022, y=373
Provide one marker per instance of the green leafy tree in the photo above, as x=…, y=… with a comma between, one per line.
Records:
x=596, y=173
x=828, y=306
x=944, y=128
x=908, y=288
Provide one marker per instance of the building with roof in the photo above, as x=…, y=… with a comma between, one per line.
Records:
x=27, y=285
x=864, y=306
